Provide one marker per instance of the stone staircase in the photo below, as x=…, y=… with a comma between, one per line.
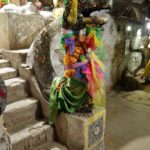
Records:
x=22, y=116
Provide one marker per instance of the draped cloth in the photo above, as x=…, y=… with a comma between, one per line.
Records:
x=67, y=95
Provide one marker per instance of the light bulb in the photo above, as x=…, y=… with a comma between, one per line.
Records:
x=129, y=28
x=148, y=26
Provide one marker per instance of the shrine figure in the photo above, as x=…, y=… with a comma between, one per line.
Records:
x=145, y=53
x=82, y=85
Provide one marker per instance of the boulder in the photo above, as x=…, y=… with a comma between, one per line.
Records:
x=39, y=56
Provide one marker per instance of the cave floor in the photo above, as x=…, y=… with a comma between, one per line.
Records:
x=128, y=120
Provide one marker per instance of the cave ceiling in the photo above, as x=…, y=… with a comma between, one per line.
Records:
x=119, y=6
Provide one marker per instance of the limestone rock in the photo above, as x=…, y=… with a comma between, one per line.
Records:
x=16, y=89
x=39, y=55
x=4, y=137
x=7, y=73
x=19, y=30
x=20, y=113
x=4, y=63
x=16, y=57
x=32, y=137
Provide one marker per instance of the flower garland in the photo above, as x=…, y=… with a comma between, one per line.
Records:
x=81, y=62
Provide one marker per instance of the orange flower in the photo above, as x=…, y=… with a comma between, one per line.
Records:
x=78, y=50
x=72, y=59
x=67, y=60
x=69, y=73
x=76, y=55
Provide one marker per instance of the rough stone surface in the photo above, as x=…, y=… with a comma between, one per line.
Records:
x=18, y=31
x=127, y=126
x=4, y=33
x=57, y=146
x=32, y=137
x=81, y=131
x=19, y=113
x=36, y=92
x=4, y=63
x=16, y=57
x=16, y=89
x=7, y=73
x=4, y=137
x=39, y=55
x=25, y=72
x=115, y=47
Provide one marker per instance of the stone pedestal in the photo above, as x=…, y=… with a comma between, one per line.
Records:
x=82, y=131
x=18, y=31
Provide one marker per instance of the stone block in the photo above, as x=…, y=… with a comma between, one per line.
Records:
x=82, y=131
x=4, y=32
x=4, y=137
x=7, y=73
x=18, y=30
x=32, y=137
x=16, y=57
x=16, y=89
x=25, y=72
x=4, y=63
x=20, y=113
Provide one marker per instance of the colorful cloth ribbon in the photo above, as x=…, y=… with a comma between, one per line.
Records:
x=95, y=75
x=70, y=41
x=93, y=39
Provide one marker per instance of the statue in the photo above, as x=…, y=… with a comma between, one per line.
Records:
x=82, y=85
x=79, y=27
x=134, y=75
x=145, y=52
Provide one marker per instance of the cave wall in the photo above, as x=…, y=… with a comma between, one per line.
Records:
x=115, y=36
x=114, y=44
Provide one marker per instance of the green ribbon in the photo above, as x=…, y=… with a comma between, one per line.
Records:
x=66, y=2
x=69, y=98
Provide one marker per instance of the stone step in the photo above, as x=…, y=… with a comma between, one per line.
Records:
x=32, y=137
x=1, y=57
x=20, y=113
x=16, y=57
x=16, y=89
x=8, y=73
x=4, y=63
